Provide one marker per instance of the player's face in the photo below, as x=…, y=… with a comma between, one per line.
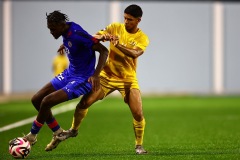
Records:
x=131, y=23
x=56, y=29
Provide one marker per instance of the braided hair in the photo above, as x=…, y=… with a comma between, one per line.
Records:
x=56, y=17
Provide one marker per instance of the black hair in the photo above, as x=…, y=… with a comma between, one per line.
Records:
x=56, y=17
x=134, y=10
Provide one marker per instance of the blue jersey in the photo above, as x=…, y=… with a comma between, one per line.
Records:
x=78, y=47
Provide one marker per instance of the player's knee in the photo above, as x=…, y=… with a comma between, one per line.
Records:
x=83, y=104
x=86, y=102
x=46, y=102
x=36, y=103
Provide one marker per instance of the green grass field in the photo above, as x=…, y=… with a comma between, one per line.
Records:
x=177, y=128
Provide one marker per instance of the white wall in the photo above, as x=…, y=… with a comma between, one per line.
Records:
x=232, y=48
x=178, y=60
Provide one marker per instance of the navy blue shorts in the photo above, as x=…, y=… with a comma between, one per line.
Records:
x=73, y=86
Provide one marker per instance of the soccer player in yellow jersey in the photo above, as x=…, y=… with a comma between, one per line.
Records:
x=60, y=63
x=127, y=43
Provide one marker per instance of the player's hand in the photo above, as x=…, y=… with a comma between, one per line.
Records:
x=104, y=37
x=95, y=81
x=115, y=40
x=61, y=49
x=108, y=37
x=99, y=37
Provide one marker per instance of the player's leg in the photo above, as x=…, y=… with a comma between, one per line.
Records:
x=47, y=103
x=81, y=112
x=133, y=99
x=36, y=125
x=37, y=100
x=38, y=97
x=82, y=107
x=55, y=84
x=73, y=89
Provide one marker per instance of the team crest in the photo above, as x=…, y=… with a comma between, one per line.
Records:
x=69, y=44
x=132, y=42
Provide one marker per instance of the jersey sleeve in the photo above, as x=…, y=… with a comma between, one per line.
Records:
x=107, y=29
x=85, y=39
x=143, y=42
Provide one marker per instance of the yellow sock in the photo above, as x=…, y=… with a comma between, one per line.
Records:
x=79, y=115
x=139, y=131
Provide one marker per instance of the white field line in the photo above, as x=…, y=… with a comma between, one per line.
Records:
x=61, y=109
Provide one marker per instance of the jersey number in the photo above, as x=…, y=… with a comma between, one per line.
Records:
x=60, y=77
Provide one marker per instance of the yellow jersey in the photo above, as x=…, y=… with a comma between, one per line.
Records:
x=118, y=65
x=60, y=63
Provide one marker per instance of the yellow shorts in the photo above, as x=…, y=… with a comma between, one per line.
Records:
x=110, y=84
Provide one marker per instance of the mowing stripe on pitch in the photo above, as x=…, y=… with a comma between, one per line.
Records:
x=61, y=109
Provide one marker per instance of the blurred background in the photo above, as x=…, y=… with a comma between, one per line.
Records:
x=194, y=45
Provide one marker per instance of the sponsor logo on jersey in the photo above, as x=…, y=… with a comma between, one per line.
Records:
x=133, y=43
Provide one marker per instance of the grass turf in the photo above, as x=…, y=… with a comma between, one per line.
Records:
x=177, y=128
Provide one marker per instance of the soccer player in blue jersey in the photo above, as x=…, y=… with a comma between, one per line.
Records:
x=78, y=79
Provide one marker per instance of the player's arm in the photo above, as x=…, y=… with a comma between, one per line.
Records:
x=102, y=57
x=134, y=53
x=104, y=37
x=131, y=52
x=61, y=49
x=94, y=79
